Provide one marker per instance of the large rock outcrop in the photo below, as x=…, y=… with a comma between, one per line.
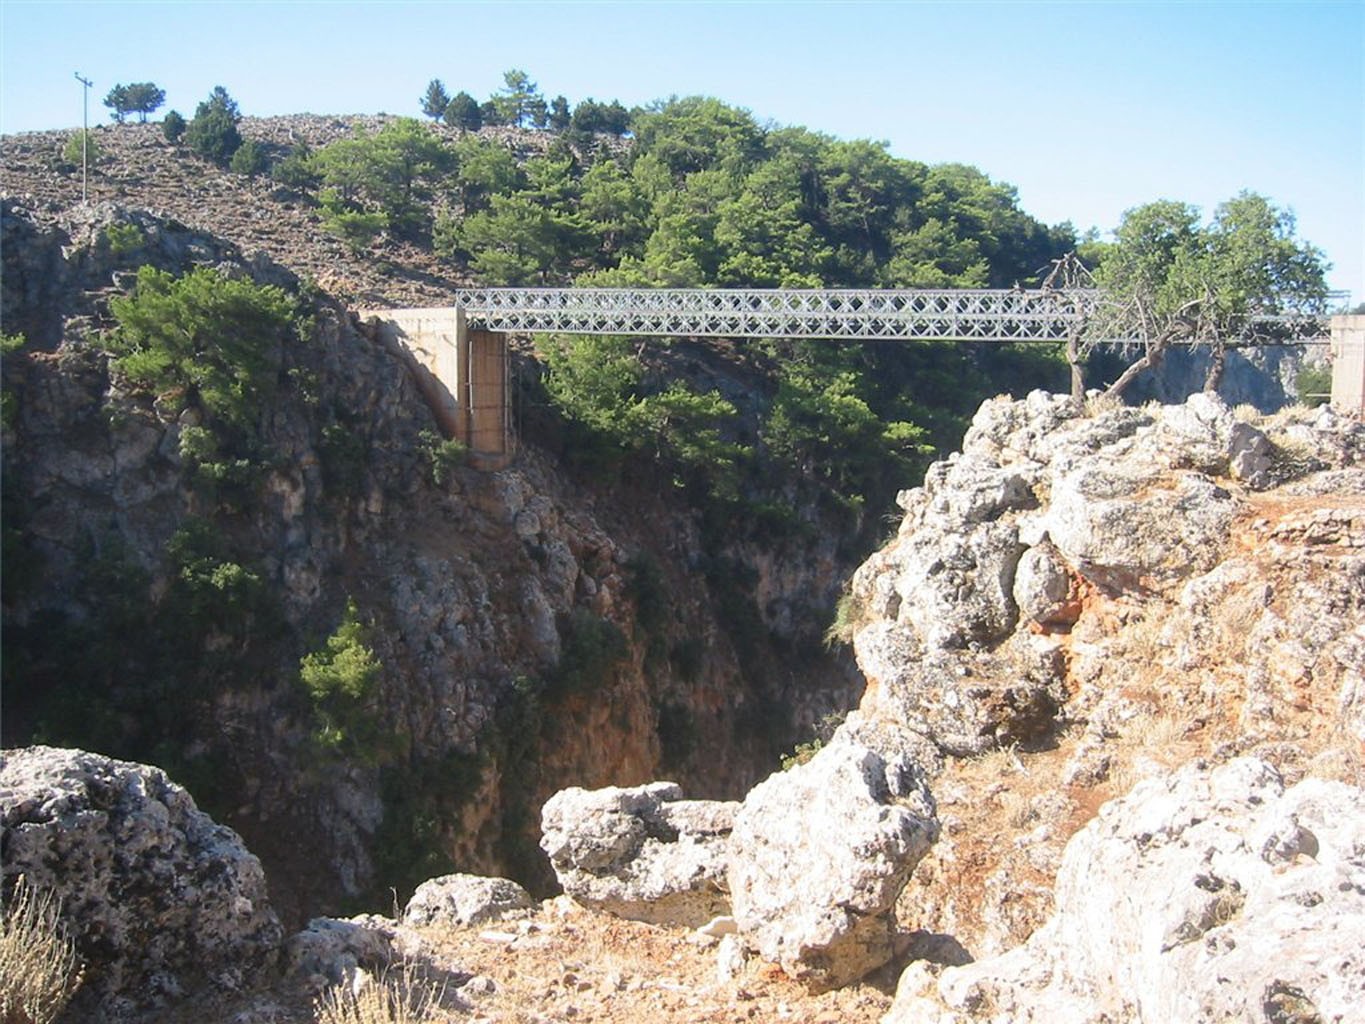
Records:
x=642, y=852
x=1207, y=895
x=1134, y=586
x=997, y=547
x=158, y=898
x=819, y=854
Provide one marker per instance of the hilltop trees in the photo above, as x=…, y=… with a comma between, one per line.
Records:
x=519, y=102
x=371, y=183
x=463, y=112
x=591, y=116
x=173, y=126
x=141, y=98
x=212, y=132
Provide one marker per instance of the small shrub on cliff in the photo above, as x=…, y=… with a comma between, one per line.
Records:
x=445, y=455
x=10, y=344
x=590, y=649
x=341, y=680
x=124, y=238
x=216, y=591
x=39, y=971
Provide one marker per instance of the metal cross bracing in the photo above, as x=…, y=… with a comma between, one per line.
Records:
x=1002, y=315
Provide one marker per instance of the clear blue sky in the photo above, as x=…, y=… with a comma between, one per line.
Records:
x=1087, y=108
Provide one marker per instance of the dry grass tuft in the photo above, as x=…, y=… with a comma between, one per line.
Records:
x=1155, y=734
x=996, y=762
x=1101, y=403
x=1017, y=809
x=39, y=970
x=392, y=999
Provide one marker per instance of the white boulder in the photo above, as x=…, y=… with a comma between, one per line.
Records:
x=642, y=852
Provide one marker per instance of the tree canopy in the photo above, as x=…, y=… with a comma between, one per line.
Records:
x=1168, y=279
x=435, y=100
x=212, y=132
x=141, y=98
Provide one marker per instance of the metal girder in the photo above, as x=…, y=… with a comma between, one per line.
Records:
x=1004, y=315
x=772, y=313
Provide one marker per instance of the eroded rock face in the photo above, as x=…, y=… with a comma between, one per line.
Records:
x=642, y=852
x=819, y=854
x=1002, y=539
x=1209, y=894
x=158, y=897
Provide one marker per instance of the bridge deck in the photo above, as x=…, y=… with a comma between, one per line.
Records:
x=1002, y=315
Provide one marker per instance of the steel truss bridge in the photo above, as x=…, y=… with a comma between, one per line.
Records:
x=998, y=315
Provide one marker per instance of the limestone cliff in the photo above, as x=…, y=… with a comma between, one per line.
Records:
x=1075, y=600
x=534, y=631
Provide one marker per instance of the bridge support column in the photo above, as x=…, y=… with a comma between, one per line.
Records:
x=487, y=397
x=462, y=374
x=1348, y=365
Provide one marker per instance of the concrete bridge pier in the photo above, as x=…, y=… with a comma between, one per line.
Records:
x=1348, y=364
x=463, y=374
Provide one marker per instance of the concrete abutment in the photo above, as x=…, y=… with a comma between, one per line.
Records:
x=463, y=374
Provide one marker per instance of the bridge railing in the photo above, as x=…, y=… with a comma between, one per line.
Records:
x=1005, y=315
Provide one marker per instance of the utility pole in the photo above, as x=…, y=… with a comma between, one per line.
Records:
x=85, y=134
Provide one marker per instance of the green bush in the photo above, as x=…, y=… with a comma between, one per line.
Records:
x=357, y=228
x=10, y=344
x=341, y=680
x=124, y=238
x=249, y=159
x=173, y=126
x=215, y=591
x=343, y=455
x=1314, y=385
x=213, y=132
x=73, y=153
x=445, y=455
x=590, y=649
x=598, y=383
x=297, y=169
x=213, y=339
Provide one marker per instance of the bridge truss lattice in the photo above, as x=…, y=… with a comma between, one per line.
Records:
x=999, y=315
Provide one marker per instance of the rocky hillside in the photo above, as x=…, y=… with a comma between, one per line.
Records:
x=139, y=169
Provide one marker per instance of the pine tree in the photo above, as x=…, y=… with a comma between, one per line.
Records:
x=436, y=100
